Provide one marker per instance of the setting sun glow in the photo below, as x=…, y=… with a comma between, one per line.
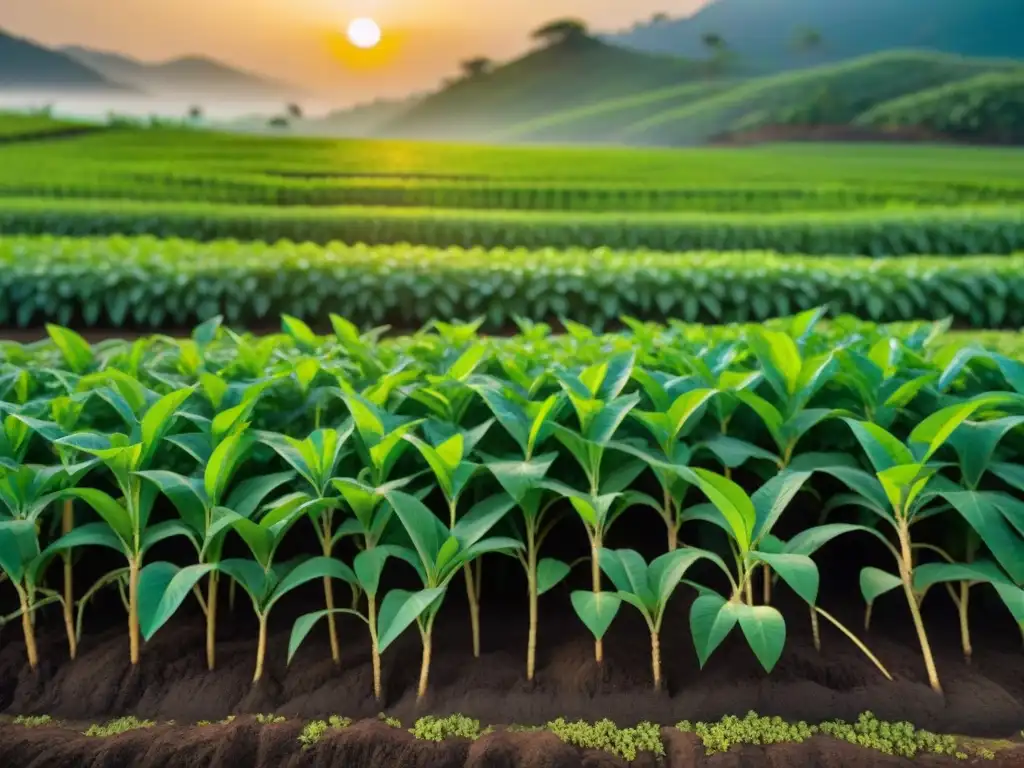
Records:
x=363, y=33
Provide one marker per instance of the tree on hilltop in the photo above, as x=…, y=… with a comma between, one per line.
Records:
x=721, y=55
x=476, y=67
x=560, y=31
x=807, y=40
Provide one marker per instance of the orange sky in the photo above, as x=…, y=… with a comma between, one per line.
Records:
x=302, y=41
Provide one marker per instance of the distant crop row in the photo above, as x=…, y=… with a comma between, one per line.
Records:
x=150, y=283
x=438, y=460
x=957, y=231
x=268, y=189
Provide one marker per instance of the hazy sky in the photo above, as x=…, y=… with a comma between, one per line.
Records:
x=302, y=40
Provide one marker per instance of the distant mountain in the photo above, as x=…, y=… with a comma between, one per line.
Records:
x=571, y=73
x=25, y=64
x=190, y=76
x=765, y=35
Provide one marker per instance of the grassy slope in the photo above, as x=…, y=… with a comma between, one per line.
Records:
x=562, y=76
x=989, y=106
x=832, y=94
x=16, y=124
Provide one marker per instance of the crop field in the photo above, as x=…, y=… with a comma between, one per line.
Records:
x=382, y=453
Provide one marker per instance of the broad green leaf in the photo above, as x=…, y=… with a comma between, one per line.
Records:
x=299, y=331
x=159, y=417
x=711, y=620
x=18, y=547
x=185, y=493
x=319, y=567
x=768, y=413
x=734, y=504
x=875, y=582
x=112, y=512
x=368, y=566
x=904, y=483
x=666, y=571
x=163, y=587
x=305, y=623
x=983, y=515
x=936, y=428
x=481, y=518
x=596, y=610
x=733, y=452
x=518, y=478
x=425, y=530
x=248, y=495
x=76, y=351
x=779, y=358
x=537, y=424
x=400, y=609
x=550, y=573
x=765, y=630
x=798, y=571
x=772, y=498
x=975, y=443
x=685, y=406
x=882, y=449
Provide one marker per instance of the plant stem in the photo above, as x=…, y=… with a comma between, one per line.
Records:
x=656, y=659
x=28, y=630
x=595, y=574
x=232, y=588
x=374, y=647
x=673, y=532
x=906, y=576
x=855, y=640
x=211, y=621
x=766, y=586
x=965, y=630
x=67, y=523
x=133, y=610
x=531, y=586
x=332, y=626
x=261, y=649
x=474, y=607
x=421, y=691
x=867, y=617
x=815, y=630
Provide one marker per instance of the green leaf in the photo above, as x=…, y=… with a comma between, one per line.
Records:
x=882, y=449
x=798, y=571
x=400, y=609
x=305, y=623
x=76, y=351
x=875, y=582
x=983, y=515
x=481, y=518
x=163, y=587
x=185, y=493
x=765, y=630
x=537, y=424
x=975, y=443
x=518, y=478
x=711, y=620
x=684, y=406
x=319, y=567
x=734, y=504
x=550, y=573
x=222, y=465
x=301, y=332
x=772, y=498
x=733, y=452
x=425, y=530
x=248, y=495
x=108, y=508
x=18, y=547
x=369, y=565
x=937, y=428
x=596, y=610
x=779, y=358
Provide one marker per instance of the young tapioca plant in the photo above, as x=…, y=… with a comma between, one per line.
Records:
x=595, y=395
x=316, y=460
x=646, y=587
x=201, y=503
x=447, y=395
x=25, y=494
x=881, y=383
x=125, y=527
x=447, y=454
x=747, y=522
x=437, y=553
x=905, y=484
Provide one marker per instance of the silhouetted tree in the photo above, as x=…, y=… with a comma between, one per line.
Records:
x=807, y=40
x=278, y=122
x=295, y=111
x=560, y=31
x=476, y=67
x=659, y=18
x=195, y=114
x=719, y=50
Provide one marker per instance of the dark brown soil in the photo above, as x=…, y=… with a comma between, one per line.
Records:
x=985, y=699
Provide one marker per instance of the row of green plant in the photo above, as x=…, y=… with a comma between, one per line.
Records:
x=268, y=189
x=952, y=231
x=358, y=442
x=889, y=738
x=147, y=283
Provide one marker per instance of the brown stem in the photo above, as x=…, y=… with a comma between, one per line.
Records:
x=656, y=659
x=211, y=620
x=815, y=630
x=595, y=574
x=332, y=627
x=29, y=631
x=67, y=523
x=766, y=586
x=261, y=649
x=133, y=610
x=421, y=691
x=906, y=576
x=474, y=607
x=374, y=647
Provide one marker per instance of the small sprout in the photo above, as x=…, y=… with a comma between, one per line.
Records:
x=432, y=728
x=118, y=726
x=626, y=743
x=270, y=719
x=985, y=753
x=394, y=722
x=34, y=721
x=314, y=730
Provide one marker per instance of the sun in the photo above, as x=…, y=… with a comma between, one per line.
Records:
x=363, y=33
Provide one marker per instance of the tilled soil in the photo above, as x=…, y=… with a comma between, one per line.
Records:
x=984, y=699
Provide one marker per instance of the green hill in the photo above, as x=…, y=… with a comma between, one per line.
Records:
x=987, y=107
x=763, y=34
x=833, y=94
x=570, y=74
x=605, y=120
x=25, y=65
